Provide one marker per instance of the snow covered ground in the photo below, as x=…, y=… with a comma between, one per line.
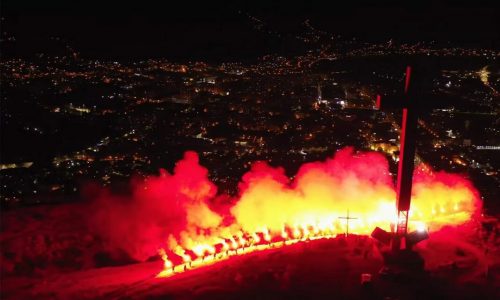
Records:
x=47, y=253
x=322, y=269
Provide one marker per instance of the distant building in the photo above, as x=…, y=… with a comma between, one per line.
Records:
x=16, y=166
x=181, y=99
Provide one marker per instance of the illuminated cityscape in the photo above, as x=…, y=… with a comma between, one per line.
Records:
x=142, y=115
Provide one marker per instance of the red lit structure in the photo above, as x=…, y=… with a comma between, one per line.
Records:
x=410, y=102
x=406, y=157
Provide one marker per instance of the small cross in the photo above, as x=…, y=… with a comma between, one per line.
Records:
x=347, y=218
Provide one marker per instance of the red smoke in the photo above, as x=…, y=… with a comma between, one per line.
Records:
x=182, y=211
x=159, y=206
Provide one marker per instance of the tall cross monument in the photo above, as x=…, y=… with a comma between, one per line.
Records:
x=411, y=102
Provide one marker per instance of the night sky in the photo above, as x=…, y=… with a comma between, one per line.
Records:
x=221, y=30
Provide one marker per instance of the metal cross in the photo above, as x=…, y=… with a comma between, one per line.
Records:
x=347, y=218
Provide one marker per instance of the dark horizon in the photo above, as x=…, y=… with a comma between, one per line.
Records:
x=223, y=31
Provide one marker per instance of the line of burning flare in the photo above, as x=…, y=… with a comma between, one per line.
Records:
x=243, y=243
x=180, y=259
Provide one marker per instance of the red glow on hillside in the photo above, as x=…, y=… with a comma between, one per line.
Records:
x=181, y=217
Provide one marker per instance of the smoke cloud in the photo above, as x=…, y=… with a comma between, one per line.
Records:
x=183, y=208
